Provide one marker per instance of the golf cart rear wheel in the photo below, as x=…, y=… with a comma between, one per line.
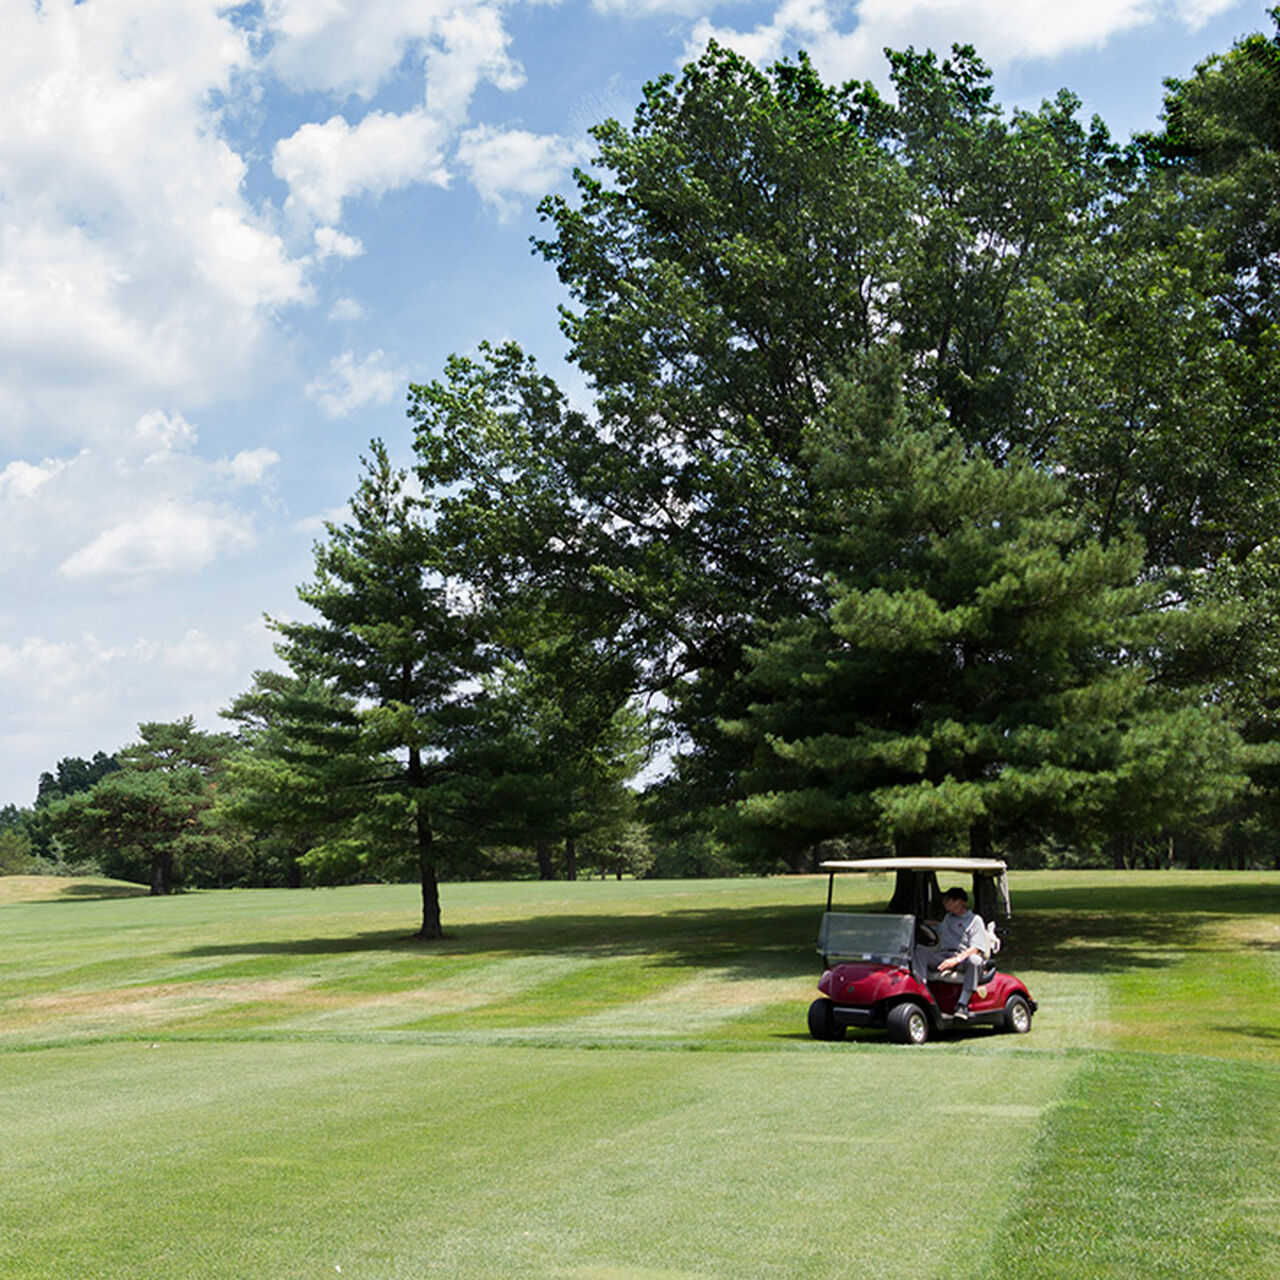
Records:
x=822, y=1022
x=908, y=1024
x=1017, y=1015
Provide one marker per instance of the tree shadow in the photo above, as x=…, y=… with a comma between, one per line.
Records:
x=76, y=891
x=1251, y=1032
x=1060, y=930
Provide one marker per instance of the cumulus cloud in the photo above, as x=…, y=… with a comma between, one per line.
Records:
x=348, y=311
x=509, y=167
x=331, y=243
x=133, y=264
x=86, y=692
x=646, y=8
x=142, y=505
x=250, y=466
x=325, y=164
x=848, y=42
x=349, y=384
x=471, y=49
x=169, y=538
x=21, y=479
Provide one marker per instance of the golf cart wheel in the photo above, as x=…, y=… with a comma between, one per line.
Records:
x=1017, y=1015
x=822, y=1022
x=908, y=1023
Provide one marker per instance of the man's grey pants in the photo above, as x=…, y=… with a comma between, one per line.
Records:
x=970, y=970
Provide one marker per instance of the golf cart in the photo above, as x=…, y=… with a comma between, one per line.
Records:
x=867, y=958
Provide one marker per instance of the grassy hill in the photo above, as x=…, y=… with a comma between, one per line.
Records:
x=609, y=1079
x=63, y=888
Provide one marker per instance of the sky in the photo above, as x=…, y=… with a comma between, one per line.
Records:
x=232, y=234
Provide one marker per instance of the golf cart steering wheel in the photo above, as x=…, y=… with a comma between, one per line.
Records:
x=926, y=934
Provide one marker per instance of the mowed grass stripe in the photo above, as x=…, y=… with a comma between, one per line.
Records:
x=1152, y=1166
x=391, y=1161
x=271, y=1083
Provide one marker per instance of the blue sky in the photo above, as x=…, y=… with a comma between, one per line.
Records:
x=230, y=236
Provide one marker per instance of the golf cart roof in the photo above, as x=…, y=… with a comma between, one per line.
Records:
x=917, y=882
x=992, y=866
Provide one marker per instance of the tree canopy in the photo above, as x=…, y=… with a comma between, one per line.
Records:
x=923, y=495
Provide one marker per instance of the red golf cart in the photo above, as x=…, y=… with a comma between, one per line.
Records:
x=867, y=957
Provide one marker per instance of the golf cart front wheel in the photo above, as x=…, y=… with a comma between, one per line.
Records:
x=1017, y=1015
x=908, y=1024
x=822, y=1022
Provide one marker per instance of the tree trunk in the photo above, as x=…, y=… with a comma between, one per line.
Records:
x=431, y=927
x=546, y=870
x=293, y=872
x=1119, y=861
x=161, y=873
x=980, y=844
x=570, y=858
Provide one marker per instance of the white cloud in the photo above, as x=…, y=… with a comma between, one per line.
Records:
x=331, y=243
x=316, y=525
x=128, y=508
x=21, y=479
x=133, y=264
x=472, y=49
x=169, y=538
x=85, y=692
x=349, y=385
x=1196, y=13
x=644, y=8
x=250, y=466
x=161, y=433
x=348, y=311
x=349, y=48
x=324, y=164
x=512, y=166
x=848, y=43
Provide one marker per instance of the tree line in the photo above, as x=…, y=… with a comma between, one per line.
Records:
x=925, y=498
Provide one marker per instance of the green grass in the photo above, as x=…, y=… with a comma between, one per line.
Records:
x=605, y=1080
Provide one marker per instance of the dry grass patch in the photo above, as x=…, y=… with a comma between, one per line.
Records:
x=64, y=889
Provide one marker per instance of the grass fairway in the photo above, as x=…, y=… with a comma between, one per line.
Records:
x=606, y=1080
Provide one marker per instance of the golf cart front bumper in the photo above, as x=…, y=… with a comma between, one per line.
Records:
x=852, y=1015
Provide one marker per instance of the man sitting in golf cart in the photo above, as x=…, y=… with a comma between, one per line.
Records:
x=963, y=944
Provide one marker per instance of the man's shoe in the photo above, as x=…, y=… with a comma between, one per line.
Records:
x=962, y=1012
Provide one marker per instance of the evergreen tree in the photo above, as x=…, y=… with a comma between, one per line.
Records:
x=983, y=667
x=299, y=775
x=146, y=819
x=398, y=643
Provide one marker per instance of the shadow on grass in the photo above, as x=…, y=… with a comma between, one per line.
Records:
x=1250, y=1032
x=78, y=891
x=754, y=942
x=1088, y=930
x=1247, y=896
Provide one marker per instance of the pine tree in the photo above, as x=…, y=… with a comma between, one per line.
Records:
x=398, y=641
x=982, y=667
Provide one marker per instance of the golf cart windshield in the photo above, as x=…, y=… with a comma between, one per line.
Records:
x=883, y=938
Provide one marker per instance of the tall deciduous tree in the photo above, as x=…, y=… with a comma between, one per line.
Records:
x=739, y=252
x=758, y=232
